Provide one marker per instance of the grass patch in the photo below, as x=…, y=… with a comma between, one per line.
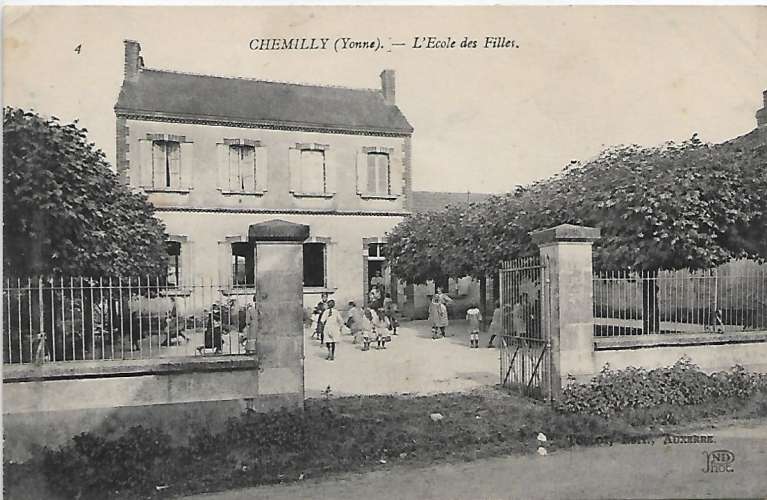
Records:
x=354, y=434
x=329, y=436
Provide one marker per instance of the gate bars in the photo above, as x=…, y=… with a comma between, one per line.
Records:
x=525, y=347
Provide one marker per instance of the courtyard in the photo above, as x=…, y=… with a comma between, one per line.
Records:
x=411, y=363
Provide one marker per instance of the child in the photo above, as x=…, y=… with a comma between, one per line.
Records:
x=354, y=321
x=318, y=310
x=367, y=328
x=333, y=325
x=495, y=323
x=473, y=316
x=437, y=317
x=390, y=310
x=379, y=328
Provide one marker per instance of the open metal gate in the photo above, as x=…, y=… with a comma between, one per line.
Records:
x=526, y=346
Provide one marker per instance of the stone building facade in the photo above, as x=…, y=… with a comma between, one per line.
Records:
x=217, y=154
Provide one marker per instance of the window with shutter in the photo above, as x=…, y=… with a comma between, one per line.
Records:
x=378, y=173
x=242, y=168
x=312, y=171
x=166, y=165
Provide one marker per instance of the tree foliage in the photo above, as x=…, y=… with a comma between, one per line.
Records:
x=680, y=205
x=65, y=211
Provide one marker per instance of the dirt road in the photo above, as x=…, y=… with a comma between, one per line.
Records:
x=621, y=471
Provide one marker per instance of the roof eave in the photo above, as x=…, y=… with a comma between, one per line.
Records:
x=154, y=115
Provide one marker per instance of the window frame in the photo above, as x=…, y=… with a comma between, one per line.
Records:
x=324, y=246
x=173, y=249
x=248, y=246
x=302, y=170
x=181, y=187
x=328, y=188
x=225, y=185
x=376, y=168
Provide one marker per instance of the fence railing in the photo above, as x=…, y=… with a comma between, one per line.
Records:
x=659, y=302
x=68, y=319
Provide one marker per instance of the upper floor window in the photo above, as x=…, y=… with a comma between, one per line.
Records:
x=310, y=172
x=165, y=162
x=378, y=173
x=242, y=166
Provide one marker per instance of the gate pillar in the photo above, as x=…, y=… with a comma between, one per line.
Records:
x=279, y=301
x=568, y=311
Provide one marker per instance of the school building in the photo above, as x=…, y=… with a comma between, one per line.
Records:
x=216, y=155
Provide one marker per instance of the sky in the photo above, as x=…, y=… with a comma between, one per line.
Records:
x=582, y=78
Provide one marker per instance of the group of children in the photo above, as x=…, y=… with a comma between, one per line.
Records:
x=366, y=324
x=377, y=323
x=439, y=320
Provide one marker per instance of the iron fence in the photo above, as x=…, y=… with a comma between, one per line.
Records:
x=662, y=302
x=525, y=355
x=69, y=319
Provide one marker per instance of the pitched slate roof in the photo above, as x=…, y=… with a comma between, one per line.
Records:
x=428, y=201
x=214, y=98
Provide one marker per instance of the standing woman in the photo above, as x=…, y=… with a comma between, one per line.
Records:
x=333, y=324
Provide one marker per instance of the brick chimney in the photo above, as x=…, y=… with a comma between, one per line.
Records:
x=133, y=60
x=761, y=115
x=387, y=86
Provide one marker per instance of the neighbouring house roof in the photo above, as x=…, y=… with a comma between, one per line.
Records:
x=263, y=103
x=427, y=201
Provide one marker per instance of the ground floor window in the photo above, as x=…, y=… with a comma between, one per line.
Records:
x=173, y=248
x=243, y=265
x=314, y=265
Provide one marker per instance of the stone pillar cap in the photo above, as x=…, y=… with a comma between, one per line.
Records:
x=278, y=230
x=566, y=232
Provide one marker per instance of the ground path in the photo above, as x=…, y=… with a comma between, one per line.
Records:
x=620, y=471
x=411, y=363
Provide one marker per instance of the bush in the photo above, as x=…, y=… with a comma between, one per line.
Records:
x=92, y=465
x=614, y=392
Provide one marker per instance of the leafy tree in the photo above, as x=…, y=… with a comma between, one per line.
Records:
x=65, y=211
x=67, y=214
x=680, y=205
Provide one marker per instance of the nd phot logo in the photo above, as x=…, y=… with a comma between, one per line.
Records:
x=719, y=461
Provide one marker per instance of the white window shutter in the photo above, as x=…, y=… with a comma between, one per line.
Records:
x=247, y=169
x=159, y=157
x=396, y=172
x=294, y=160
x=222, y=158
x=187, y=165
x=234, y=183
x=262, y=168
x=145, y=163
x=331, y=173
x=224, y=264
x=362, y=172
